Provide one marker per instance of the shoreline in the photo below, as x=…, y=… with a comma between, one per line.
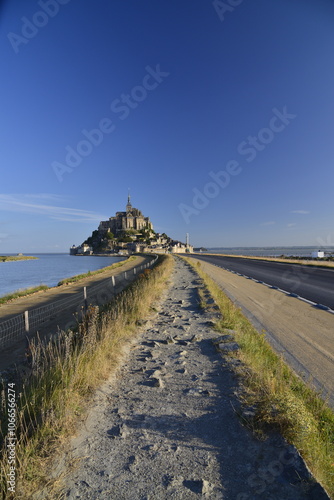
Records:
x=100, y=289
x=99, y=255
x=5, y=299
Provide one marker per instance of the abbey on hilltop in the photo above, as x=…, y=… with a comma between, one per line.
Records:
x=131, y=219
x=128, y=232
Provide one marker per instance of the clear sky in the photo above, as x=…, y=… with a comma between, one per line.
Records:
x=218, y=115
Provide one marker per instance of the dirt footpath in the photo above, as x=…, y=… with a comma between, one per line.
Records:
x=166, y=427
x=300, y=332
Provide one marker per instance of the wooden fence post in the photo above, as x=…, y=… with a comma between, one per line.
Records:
x=85, y=299
x=26, y=321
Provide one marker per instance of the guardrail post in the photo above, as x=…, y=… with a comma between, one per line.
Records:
x=125, y=275
x=26, y=321
x=113, y=280
x=134, y=270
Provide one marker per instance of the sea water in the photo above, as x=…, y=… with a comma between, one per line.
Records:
x=48, y=270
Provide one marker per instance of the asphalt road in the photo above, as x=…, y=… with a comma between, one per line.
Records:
x=299, y=332
x=311, y=283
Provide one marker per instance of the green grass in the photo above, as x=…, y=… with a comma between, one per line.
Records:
x=65, y=374
x=79, y=277
x=282, y=401
x=22, y=293
x=6, y=258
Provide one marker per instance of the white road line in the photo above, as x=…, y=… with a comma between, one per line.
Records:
x=291, y=294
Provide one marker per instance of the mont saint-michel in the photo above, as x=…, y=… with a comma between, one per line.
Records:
x=128, y=232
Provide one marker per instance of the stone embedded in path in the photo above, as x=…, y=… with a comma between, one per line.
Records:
x=194, y=338
x=157, y=382
x=211, y=323
x=120, y=431
x=200, y=487
x=196, y=392
x=183, y=353
x=181, y=370
x=157, y=373
x=228, y=347
x=183, y=342
x=223, y=338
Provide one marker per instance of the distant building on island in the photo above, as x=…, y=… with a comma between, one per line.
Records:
x=83, y=249
x=318, y=255
x=128, y=232
x=131, y=219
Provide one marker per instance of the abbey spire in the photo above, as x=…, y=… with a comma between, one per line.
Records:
x=128, y=206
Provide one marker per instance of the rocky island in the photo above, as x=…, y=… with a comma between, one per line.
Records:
x=126, y=233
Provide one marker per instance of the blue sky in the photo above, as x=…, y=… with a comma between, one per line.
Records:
x=219, y=117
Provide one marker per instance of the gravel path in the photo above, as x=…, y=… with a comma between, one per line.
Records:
x=166, y=427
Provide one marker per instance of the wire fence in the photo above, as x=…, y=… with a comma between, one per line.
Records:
x=28, y=322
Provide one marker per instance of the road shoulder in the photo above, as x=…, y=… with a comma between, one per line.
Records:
x=301, y=333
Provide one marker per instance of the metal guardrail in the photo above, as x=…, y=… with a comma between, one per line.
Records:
x=23, y=324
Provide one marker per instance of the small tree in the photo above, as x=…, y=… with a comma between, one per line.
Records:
x=125, y=239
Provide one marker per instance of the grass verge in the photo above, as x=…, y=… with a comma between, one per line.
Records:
x=280, y=399
x=10, y=258
x=63, y=376
x=79, y=277
x=22, y=293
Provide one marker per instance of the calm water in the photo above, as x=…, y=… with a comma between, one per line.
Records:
x=49, y=269
x=271, y=251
